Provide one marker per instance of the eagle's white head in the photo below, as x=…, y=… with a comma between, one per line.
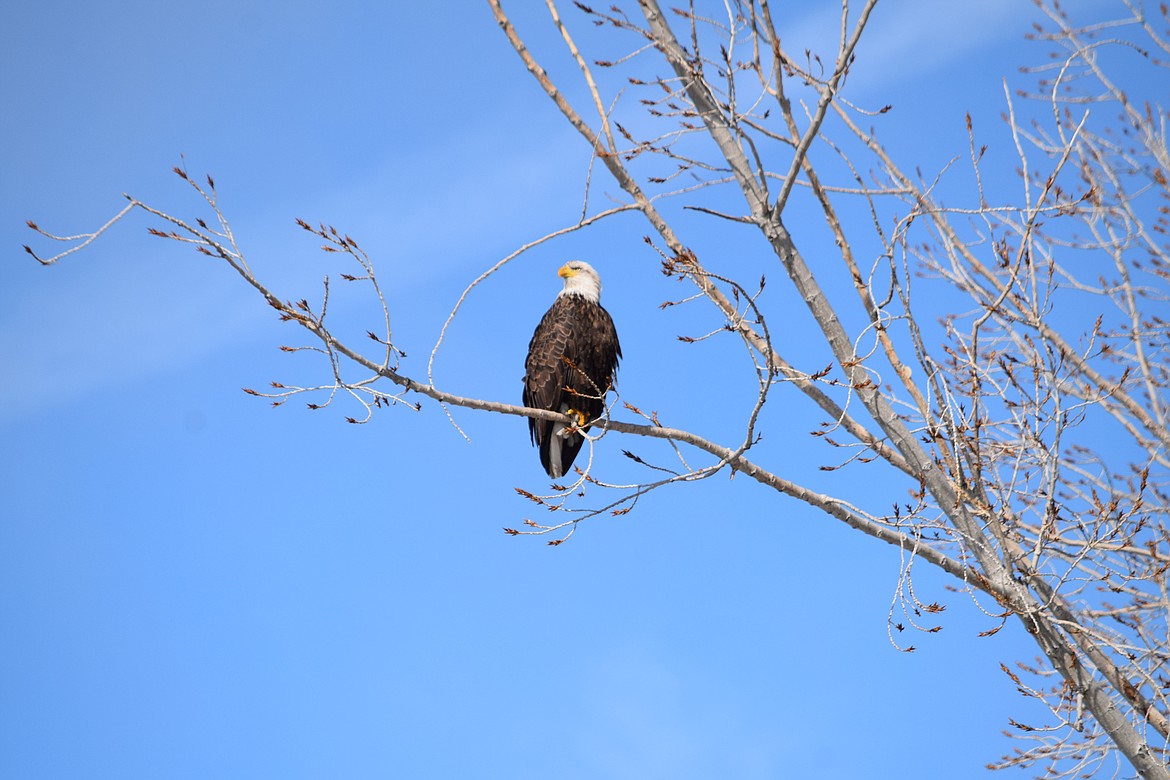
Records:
x=580, y=279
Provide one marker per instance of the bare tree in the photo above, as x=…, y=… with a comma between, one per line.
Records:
x=989, y=417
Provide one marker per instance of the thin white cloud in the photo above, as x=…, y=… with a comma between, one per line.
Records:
x=906, y=38
x=85, y=333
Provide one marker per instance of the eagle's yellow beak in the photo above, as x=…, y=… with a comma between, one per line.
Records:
x=565, y=271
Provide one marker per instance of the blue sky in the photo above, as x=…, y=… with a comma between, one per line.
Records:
x=195, y=585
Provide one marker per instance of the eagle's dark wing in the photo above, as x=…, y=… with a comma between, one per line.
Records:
x=544, y=370
x=593, y=352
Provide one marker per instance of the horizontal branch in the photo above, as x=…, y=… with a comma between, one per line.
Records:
x=736, y=460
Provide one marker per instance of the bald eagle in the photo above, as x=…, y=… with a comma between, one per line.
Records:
x=571, y=363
